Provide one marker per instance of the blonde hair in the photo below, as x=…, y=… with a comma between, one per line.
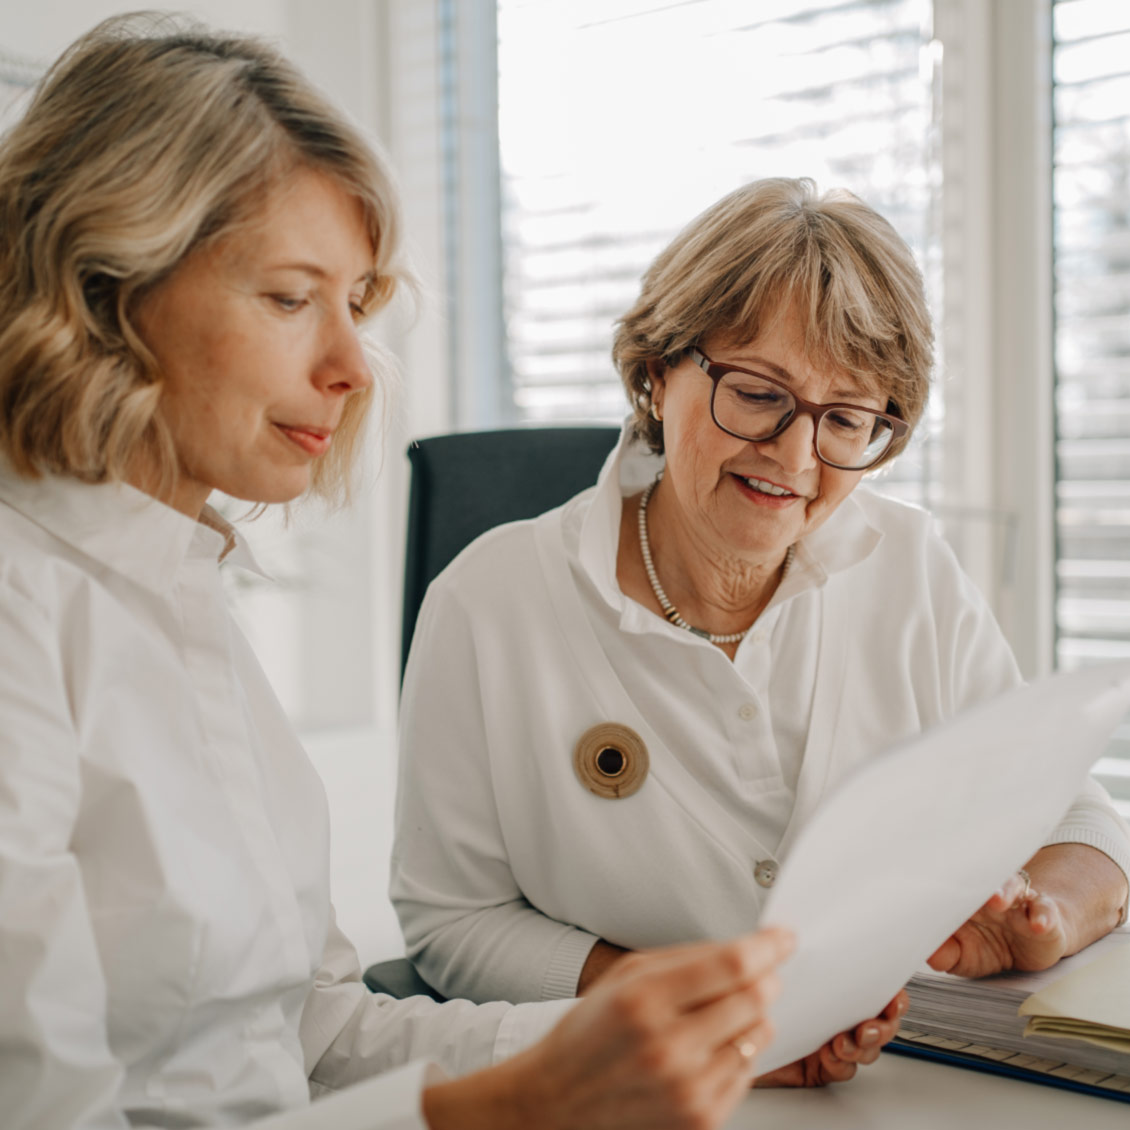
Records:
x=147, y=139
x=771, y=245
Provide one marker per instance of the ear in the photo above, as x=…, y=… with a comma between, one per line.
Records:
x=656, y=374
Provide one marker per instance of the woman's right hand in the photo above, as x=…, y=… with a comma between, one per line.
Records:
x=837, y=1060
x=666, y=1041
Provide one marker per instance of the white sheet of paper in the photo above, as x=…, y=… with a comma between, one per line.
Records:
x=908, y=848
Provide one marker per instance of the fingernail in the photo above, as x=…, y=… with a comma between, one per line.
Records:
x=869, y=1037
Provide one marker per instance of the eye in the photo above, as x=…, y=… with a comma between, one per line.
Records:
x=849, y=421
x=759, y=396
x=290, y=303
x=357, y=308
x=753, y=392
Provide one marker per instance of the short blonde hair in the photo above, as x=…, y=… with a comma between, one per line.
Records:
x=773, y=244
x=147, y=139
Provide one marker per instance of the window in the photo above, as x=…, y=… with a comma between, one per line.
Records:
x=620, y=120
x=1091, y=74
x=17, y=76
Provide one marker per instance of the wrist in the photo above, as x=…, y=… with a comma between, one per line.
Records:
x=601, y=958
x=503, y=1097
x=1086, y=886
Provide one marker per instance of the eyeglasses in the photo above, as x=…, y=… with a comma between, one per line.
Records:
x=758, y=408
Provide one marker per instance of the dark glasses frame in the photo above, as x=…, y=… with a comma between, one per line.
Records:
x=716, y=371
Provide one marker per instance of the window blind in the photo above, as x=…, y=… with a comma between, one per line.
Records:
x=1091, y=84
x=620, y=120
x=17, y=76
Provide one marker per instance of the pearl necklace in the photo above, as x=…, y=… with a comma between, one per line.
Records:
x=669, y=610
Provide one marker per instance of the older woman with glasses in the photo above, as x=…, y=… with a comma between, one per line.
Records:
x=617, y=717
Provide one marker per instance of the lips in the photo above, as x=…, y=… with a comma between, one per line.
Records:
x=767, y=486
x=765, y=491
x=312, y=440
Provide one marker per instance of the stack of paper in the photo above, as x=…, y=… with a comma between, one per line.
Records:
x=1069, y=1023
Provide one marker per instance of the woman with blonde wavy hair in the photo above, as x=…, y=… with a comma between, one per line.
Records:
x=190, y=239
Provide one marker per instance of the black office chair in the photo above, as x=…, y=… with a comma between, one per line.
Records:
x=462, y=486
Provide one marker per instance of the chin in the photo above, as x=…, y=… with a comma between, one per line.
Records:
x=268, y=494
x=764, y=548
x=765, y=538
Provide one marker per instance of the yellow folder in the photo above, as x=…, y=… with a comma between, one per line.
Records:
x=1092, y=1004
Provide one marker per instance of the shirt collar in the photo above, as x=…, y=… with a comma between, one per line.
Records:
x=123, y=528
x=844, y=540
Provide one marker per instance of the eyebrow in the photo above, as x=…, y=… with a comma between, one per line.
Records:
x=316, y=271
x=840, y=392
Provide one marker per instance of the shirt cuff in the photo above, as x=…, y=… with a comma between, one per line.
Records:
x=1115, y=847
x=564, y=968
x=525, y=1024
x=392, y=1101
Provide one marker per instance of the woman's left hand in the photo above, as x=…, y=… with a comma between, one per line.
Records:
x=1077, y=895
x=1018, y=928
x=839, y=1059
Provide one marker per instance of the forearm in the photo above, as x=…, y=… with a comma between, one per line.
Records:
x=349, y=1034
x=1090, y=888
x=506, y=952
x=495, y=1099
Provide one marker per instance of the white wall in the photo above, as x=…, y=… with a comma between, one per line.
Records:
x=40, y=30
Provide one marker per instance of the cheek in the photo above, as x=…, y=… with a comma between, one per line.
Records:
x=222, y=380
x=711, y=456
x=697, y=464
x=697, y=443
x=835, y=486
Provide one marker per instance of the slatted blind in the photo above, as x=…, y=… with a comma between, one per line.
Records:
x=1091, y=74
x=620, y=120
x=17, y=76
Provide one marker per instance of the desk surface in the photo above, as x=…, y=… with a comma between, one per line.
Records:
x=898, y=1093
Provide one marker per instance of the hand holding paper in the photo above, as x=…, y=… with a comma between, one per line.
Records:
x=1013, y=929
x=838, y=1060
x=910, y=847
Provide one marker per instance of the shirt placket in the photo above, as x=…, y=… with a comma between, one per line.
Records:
x=749, y=710
x=229, y=749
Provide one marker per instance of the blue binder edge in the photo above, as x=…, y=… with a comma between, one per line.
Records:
x=992, y=1067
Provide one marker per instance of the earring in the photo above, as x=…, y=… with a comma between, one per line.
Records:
x=655, y=413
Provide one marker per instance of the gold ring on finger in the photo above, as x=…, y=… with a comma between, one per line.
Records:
x=747, y=1049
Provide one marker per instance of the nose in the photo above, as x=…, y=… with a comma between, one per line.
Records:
x=344, y=366
x=794, y=450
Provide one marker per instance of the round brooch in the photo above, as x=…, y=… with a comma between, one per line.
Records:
x=611, y=760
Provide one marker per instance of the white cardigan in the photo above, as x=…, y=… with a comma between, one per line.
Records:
x=506, y=869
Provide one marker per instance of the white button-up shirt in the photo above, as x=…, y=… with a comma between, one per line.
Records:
x=168, y=955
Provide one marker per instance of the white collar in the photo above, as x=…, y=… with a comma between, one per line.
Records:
x=124, y=528
x=844, y=540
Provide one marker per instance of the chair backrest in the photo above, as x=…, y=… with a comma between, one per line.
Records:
x=466, y=484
